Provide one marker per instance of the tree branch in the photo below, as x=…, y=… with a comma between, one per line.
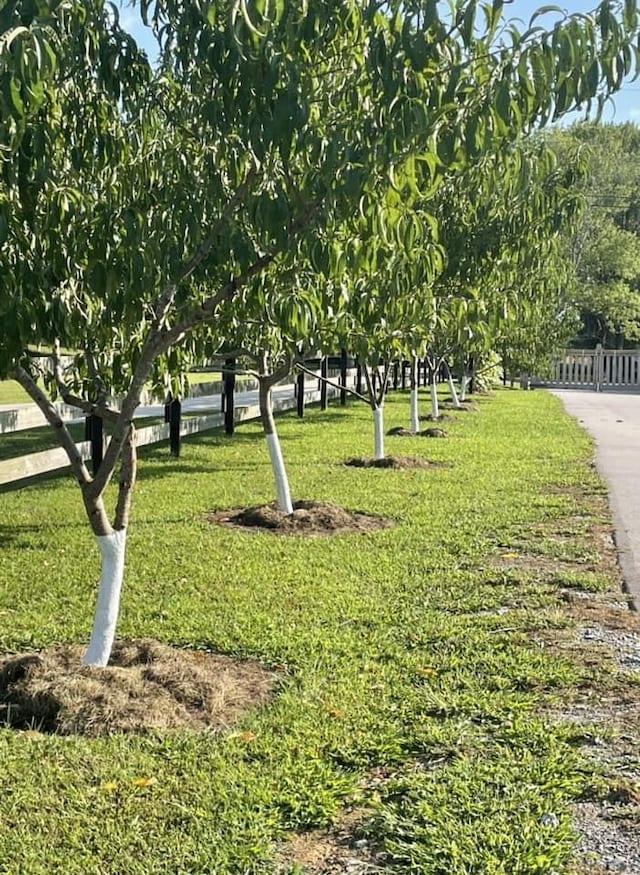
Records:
x=53, y=418
x=128, y=473
x=383, y=382
x=90, y=408
x=329, y=382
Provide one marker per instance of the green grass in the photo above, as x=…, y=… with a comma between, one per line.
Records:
x=396, y=656
x=12, y=393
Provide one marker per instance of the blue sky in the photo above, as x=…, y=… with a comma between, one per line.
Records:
x=625, y=106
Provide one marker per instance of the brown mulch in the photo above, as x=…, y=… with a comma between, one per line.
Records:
x=308, y=518
x=147, y=686
x=465, y=406
x=443, y=417
x=427, y=432
x=399, y=463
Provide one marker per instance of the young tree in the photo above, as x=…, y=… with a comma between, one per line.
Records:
x=138, y=202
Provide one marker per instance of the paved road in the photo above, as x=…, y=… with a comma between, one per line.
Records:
x=613, y=420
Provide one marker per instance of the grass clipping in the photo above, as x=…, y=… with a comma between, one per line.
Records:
x=147, y=686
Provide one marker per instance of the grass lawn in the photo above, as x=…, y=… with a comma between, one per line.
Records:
x=12, y=393
x=415, y=692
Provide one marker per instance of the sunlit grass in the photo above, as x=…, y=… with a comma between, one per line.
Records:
x=396, y=647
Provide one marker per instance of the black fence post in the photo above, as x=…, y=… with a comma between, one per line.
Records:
x=324, y=373
x=396, y=374
x=300, y=393
x=472, y=375
x=403, y=375
x=358, y=377
x=229, y=388
x=175, y=415
x=426, y=373
x=343, y=377
x=94, y=432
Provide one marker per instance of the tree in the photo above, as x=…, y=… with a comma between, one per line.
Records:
x=604, y=248
x=139, y=202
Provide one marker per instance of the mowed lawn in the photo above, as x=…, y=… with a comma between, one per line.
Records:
x=414, y=694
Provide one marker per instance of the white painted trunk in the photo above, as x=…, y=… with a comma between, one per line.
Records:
x=454, y=394
x=463, y=387
x=415, y=412
x=378, y=425
x=435, y=410
x=283, y=493
x=112, y=549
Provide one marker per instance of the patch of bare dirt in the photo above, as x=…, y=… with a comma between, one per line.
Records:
x=343, y=849
x=544, y=566
x=147, y=686
x=399, y=463
x=605, y=844
x=613, y=614
x=427, y=432
x=308, y=518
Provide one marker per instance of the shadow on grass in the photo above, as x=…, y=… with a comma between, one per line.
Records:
x=21, y=534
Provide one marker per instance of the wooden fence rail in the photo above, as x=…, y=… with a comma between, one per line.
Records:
x=24, y=467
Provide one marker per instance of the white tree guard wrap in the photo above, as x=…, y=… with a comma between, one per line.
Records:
x=454, y=394
x=283, y=493
x=112, y=549
x=463, y=387
x=415, y=411
x=378, y=426
x=435, y=410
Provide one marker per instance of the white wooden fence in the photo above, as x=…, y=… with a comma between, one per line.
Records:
x=33, y=464
x=596, y=368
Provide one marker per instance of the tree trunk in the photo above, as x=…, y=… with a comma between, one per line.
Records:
x=464, y=380
x=452, y=388
x=112, y=549
x=283, y=493
x=112, y=545
x=435, y=410
x=378, y=425
x=415, y=408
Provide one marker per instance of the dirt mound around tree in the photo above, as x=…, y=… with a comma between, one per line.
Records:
x=308, y=518
x=464, y=406
x=398, y=463
x=442, y=417
x=427, y=432
x=147, y=686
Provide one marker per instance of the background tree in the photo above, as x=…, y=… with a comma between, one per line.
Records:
x=604, y=247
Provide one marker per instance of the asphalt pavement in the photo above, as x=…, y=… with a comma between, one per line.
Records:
x=613, y=420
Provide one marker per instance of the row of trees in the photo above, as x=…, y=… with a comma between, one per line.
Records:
x=287, y=177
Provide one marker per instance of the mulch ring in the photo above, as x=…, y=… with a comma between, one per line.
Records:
x=427, y=432
x=308, y=518
x=398, y=463
x=147, y=687
x=442, y=417
x=464, y=406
